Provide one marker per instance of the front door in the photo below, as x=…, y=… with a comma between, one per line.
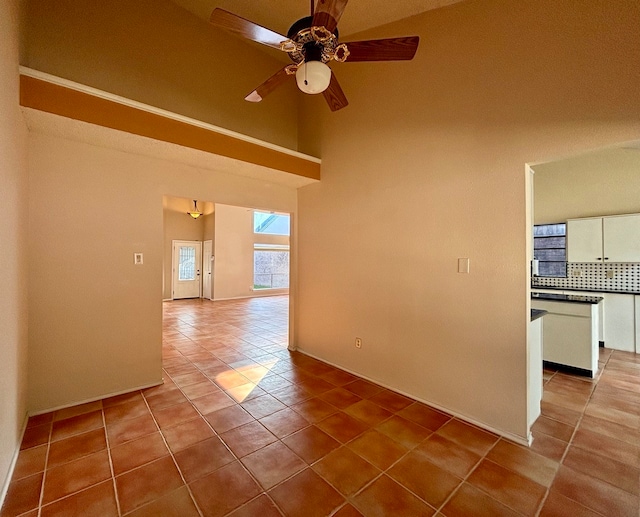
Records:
x=187, y=265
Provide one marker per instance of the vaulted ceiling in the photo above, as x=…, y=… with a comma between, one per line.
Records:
x=279, y=16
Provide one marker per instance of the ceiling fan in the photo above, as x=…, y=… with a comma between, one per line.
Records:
x=311, y=43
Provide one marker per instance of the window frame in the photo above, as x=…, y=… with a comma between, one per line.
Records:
x=265, y=247
x=543, y=272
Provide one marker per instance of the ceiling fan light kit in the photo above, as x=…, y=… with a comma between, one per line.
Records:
x=313, y=77
x=311, y=43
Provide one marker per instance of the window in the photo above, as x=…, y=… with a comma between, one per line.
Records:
x=270, y=223
x=550, y=249
x=187, y=263
x=270, y=266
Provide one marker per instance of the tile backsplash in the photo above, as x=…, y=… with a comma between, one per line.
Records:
x=620, y=276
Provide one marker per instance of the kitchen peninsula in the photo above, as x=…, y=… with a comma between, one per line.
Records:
x=570, y=331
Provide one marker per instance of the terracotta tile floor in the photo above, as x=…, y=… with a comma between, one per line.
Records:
x=243, y=427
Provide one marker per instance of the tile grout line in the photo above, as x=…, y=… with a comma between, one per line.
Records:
x=44, y=472
x=113, y=474
x=468, y=475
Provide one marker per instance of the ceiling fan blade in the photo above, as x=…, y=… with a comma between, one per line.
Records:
x=328, y=13
x=245, y=28
x=391, y=49
x=268, y=86
x=335, y=97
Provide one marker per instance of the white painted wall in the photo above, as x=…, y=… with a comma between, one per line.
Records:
x=426, y=165
x=604, y=182
x=13, y=244
x=95, y=317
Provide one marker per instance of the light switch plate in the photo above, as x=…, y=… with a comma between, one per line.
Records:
x=137, y=259
x=463, y=265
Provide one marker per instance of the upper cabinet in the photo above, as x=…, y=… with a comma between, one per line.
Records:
x=621, y=238
x=604, y=239
x=584, y=240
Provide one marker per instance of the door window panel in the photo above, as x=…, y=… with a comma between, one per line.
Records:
x=187, y=263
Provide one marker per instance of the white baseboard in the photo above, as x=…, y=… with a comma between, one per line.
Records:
x=281, y=292
x=93, y=399
x=14, y=460
x=526, y=441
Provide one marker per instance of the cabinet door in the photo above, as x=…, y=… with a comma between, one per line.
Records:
x=584, y=240
x=637, y=324
x=621, y=238
x=619, y=328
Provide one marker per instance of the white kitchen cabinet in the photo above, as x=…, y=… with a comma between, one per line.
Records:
x=534, y=354
x=584, y=240
x=620, y=318
x=621, y=238
x=570, y=334
x=637, y=304
x=608, y=239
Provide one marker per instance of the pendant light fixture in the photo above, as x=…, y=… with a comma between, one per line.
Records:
x=195, y=213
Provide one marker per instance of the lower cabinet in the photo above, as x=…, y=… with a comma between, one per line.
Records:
x=534, y=353
x=620, y=321
x=619, y=318
x=637, y=300
x=570, y=334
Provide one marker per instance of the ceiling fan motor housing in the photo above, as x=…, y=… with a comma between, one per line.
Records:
x=311, y=49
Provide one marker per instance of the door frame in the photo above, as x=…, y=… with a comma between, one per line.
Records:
x=207, y=268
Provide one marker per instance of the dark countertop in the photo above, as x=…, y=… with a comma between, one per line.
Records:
x=584, y=290
x=572, y=298
x=537, y=313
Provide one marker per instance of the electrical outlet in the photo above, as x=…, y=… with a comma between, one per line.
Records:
x=358, y=342
x=576, y=272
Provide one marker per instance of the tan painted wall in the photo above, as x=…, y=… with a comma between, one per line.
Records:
x=157, y=53
x=95, y=318
x=426, y=165
x=233, y=251
x=209, y=230
x=600, y=183
x=13, y=244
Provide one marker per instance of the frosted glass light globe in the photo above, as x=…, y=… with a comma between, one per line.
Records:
x=313, y=77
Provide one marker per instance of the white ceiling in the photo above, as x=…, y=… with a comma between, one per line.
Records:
x=279, y=16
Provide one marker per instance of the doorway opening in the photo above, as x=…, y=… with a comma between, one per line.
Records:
x=231, y=254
